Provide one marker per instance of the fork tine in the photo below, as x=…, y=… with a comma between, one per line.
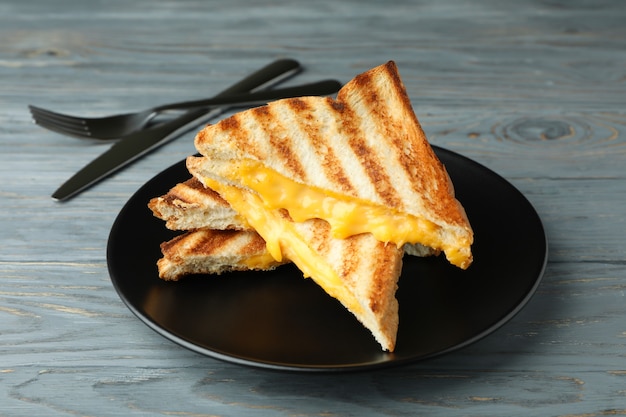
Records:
x=48, y=120
x=53, y=115
x=43, y=114
x=61, y=123
x=75, y=131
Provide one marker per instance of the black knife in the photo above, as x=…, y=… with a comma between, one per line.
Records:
x=136, y=145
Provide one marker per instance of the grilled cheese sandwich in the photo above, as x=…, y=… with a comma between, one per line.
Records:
x=342, y=188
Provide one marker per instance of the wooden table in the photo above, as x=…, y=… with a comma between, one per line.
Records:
x=534, y=90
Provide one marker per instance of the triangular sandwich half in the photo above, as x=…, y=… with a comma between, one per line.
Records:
x=360, y=162
x=359, y=271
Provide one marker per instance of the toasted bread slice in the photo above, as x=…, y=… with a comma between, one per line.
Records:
x=359, y=271
x=362, y=162
x=190, y=205
x=208, y=251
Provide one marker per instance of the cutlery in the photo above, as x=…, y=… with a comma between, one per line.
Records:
x=117, y=126
x=139, y=143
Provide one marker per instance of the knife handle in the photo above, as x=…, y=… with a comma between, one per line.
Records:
x=271, y=74
x=265, y=77
x=319, y=88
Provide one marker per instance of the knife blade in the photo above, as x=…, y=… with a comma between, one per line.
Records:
x=134, y=146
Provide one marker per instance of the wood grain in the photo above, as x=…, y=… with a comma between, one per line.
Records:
x=535, y=90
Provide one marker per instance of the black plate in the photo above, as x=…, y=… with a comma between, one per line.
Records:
x=280, y=320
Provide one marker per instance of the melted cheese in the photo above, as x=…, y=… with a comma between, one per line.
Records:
x=347, y=216
x=283, y=241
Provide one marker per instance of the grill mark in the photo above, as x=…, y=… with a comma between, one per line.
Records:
x=166, y=247
x=411, y=163
x=234, y=130
x=231, y=123
x=194, y=184
x=350, y=260
x=200, y=189
x=188, y=191
x=255, y=245
x=302, y=112
x=214, y=195
x=227, y=130
x=366, y=155
x=212, y=242
x=331, y=164
x=279, y=140
x=321, y=239
x=381, y=275
x=361, y=81
x=175, y=199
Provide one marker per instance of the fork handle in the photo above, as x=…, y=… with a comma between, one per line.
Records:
x=319, y=88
